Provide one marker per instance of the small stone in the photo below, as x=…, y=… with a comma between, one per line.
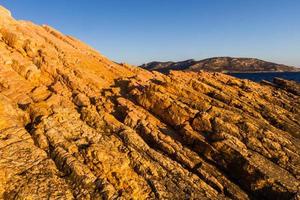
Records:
x=81, y=100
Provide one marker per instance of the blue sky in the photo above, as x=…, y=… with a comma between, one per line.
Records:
x=138, y=31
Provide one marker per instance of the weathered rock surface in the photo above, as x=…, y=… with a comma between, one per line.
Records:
x=75, y=125
x=220, y=64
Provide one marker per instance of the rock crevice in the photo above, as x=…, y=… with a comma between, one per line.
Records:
x=75, y=125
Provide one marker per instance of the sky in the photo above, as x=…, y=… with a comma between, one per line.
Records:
x=140, y=31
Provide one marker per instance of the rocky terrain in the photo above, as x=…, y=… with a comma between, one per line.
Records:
x=75, y=125
x=220, y=64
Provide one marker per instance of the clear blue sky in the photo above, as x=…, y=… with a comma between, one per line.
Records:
x=138, y=31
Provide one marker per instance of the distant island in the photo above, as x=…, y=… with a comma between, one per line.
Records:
x=76, y=125
x=221, y=64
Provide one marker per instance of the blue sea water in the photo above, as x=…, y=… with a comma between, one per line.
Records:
x=257, y=77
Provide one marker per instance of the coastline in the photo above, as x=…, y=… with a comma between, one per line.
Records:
x=258, y=72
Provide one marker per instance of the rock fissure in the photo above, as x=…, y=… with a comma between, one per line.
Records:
x=75, y=125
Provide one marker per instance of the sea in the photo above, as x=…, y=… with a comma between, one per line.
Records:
x=268, y=76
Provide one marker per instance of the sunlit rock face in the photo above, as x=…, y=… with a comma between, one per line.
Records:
x=75, y=125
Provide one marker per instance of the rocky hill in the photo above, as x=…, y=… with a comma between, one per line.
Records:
x=75, y=125
x=220, y=64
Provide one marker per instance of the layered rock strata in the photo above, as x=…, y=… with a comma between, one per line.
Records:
x=75, y=125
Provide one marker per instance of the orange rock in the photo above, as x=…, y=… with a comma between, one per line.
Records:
x=75, y=125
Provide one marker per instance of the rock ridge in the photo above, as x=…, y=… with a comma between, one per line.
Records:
x=75, y=125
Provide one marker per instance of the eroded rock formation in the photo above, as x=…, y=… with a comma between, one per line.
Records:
x=74, y=125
